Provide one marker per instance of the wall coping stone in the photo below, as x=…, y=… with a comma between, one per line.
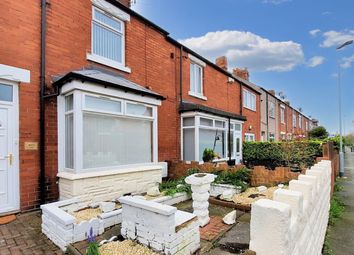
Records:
x=148, y=205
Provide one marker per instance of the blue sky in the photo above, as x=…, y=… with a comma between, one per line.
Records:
x=288, y=45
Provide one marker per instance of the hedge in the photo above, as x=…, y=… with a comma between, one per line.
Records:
x=294, y=154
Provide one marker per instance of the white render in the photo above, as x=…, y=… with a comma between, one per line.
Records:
x=61, y=227
x=218, y=189
x=107, y=185
x=200, y=184
x=295, y=221
x=160, y=227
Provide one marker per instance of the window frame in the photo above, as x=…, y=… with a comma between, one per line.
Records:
x=294, y=120
x=282, y=114
x=247, y=97
x=78, y=111
x=247, y=137
x=197, y=126
x=201, y=77
x=117, y=15
x=271, y=114
x=300, y=121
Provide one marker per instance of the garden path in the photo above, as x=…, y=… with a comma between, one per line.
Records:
x=340, y=236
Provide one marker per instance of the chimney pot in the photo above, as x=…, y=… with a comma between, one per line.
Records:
x=242, y=73
x=221, y=62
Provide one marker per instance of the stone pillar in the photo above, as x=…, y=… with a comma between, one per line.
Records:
x=200, y=183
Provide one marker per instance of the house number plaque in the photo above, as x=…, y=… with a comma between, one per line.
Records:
x=31, y=146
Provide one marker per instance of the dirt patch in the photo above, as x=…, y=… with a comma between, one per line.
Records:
x=86, y=214
x=251, y=195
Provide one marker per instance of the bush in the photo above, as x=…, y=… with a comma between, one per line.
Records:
x=318, y=133
x=208, y=155
x=294, y=154
x=240, y=178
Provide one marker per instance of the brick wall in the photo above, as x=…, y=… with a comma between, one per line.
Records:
x=262, y=176
x=253, y=123
x=154, y=62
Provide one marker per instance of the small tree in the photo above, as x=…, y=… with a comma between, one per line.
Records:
x=318, y=133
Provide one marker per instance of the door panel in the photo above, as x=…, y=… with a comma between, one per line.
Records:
x=9, y=172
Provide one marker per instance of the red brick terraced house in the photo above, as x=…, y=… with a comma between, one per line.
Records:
x=97, y=98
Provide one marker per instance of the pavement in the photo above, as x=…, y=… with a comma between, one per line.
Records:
x=341, y=235
x=24, y=236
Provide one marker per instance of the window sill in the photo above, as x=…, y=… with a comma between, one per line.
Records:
x=107, y=62
x=125, y=169
x=197, y=95
x=253, y=110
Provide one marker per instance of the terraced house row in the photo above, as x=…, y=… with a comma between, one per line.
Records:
x=93, y=96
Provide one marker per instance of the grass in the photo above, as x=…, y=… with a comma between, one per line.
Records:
x=335, y=213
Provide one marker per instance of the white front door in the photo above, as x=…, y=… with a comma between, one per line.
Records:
x=238, y=147
x=9, y=170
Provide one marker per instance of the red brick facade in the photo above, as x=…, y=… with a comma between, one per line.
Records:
x=154, y=61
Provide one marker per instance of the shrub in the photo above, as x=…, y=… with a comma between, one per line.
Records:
x=238, y=178
x=294, y=154
x=208, y=155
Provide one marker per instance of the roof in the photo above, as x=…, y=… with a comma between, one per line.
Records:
x=107, y=79
x=189, y=107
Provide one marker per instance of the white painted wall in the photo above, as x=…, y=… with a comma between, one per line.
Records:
x=295, y=221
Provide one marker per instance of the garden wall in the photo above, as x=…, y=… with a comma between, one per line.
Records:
x=179, y=168
x=262, y=176
x=295, y=221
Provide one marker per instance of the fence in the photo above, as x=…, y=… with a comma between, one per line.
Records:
x=295, y=221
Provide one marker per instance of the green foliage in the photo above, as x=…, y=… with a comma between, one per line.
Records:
x=318, y=133
x=336, y=210
x=93, y=249
x=208, y=155
x=237, y=178
x=172, y=187
x=294, y=154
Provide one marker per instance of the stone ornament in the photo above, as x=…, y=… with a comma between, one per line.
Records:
x=200, y=184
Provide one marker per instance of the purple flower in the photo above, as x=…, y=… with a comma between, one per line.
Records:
x=91, y=237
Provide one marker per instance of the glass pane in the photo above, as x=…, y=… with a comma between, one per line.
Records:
x=188, y=144
x=206, y=141
x=238, y=145
x=6, y=93
x=139, y=109
x=238, y=127
x=113, y=23
x=198, y=78
x=69, y=103
x=232, y=143
x=106, y=43
x=192, y=78
x=187, y=122
x=220, y=124
x=206, y=122
x=69, y=141
x=103, y=104
x=113, y=141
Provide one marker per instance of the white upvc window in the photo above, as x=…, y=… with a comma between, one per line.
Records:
x=294, y=120
x=306, y=125
x=249, y=100
x=282, y=114
x=202, y=131
x=196, y=80
x=300, y=121
x=271, y=109
x=249, y=137
x=103, y=132
x=108, y=36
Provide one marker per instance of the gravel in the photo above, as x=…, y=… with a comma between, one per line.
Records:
x=126, y=247
x=251, y=195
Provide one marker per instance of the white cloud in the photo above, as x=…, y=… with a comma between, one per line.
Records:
x=275, y=2
x=245, y=49
x=335, y=38
x=314, y=32
x=347, y=61
x=326, y=13
x=315, y=61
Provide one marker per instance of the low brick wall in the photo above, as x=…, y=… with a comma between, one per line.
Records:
x=262, y=176
x=179, y=168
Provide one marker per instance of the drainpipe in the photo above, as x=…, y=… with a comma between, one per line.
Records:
x=180, y=73
x=241, y=98
x=42, y=104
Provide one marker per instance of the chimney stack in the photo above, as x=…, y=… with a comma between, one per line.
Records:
x=127, y=3
x=221, y=62
x=242, y=73
x=287, y=102
x=272, y=92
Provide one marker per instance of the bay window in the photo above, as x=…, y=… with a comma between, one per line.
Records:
x=105, y=132
x=202, y=131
